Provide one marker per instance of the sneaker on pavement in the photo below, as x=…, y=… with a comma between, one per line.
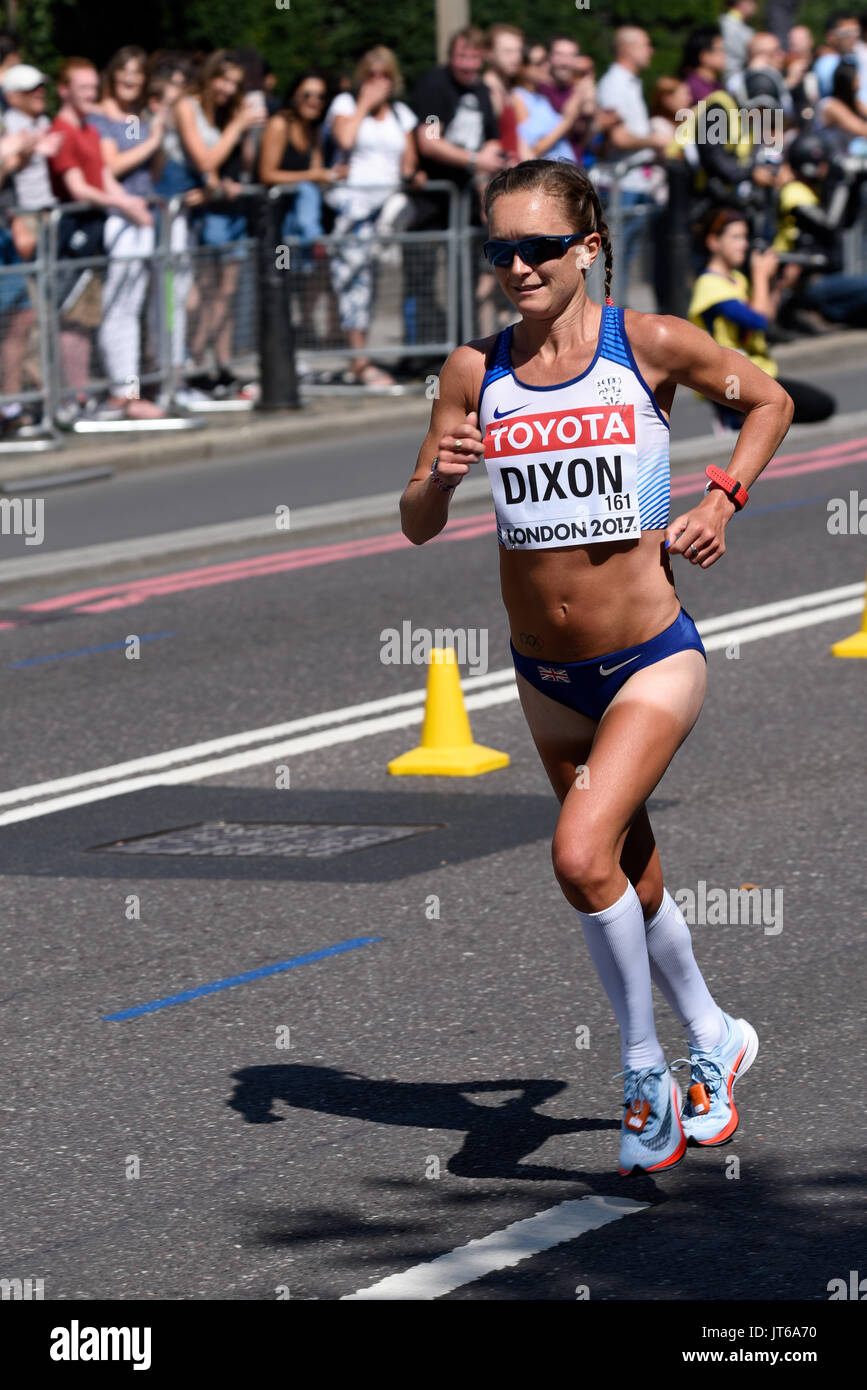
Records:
x=226, y=390
x=106, y=411
x=74, y=408
x=190, y=396
x=21, y=425
x=29, y=427
x=710, y=1115
x=651, y=1135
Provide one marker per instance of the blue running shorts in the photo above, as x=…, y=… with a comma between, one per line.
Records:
x=590, y=686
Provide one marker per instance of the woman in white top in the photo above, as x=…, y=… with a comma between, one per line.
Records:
x=375, y=133
x=130, y=145
x=611, y=670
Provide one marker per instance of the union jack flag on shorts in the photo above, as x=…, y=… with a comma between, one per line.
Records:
x=553, y=673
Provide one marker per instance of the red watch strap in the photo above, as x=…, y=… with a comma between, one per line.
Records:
x=734, y=490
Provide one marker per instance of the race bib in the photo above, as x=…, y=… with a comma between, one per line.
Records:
x=564, y=477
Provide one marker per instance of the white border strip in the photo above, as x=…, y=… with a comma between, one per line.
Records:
x=501, y=1249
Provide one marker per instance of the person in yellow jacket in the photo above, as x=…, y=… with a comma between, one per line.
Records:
x=794, y=194
x=813, y=219
x=736, y=311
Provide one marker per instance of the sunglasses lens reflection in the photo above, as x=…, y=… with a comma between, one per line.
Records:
x=532, y=251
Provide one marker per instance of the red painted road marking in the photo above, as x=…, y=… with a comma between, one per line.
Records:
x=126, y=594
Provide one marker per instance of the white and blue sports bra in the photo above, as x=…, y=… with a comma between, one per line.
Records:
x=577, y=463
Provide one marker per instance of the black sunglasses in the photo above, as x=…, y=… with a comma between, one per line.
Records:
x=533, y=250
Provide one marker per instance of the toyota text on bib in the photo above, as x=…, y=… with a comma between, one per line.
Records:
x=579, y=463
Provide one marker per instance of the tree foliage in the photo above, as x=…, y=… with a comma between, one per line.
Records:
x=332, y=34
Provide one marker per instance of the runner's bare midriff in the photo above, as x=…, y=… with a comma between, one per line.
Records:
x=578, y=602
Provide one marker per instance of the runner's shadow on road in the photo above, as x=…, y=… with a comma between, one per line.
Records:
x=784, y=1231
x=497, y=1137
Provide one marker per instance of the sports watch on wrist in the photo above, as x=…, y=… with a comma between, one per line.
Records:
x=734, y=491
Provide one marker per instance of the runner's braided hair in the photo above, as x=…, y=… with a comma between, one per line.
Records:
x=574, y=190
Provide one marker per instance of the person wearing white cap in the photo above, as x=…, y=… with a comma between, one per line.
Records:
x=24, y=89
x=24, y=147
x=22, y=77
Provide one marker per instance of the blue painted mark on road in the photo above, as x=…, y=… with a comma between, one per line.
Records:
x=233, y=980
x=87, y=651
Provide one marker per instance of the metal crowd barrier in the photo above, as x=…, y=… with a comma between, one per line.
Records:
x=256, y=303
x=409, y=277
x=139, y=316
x=25, y=335
x=98, y=306
x=138, y=311
x=209, y=296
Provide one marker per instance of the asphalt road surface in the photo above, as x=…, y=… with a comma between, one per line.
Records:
x=409, y=1079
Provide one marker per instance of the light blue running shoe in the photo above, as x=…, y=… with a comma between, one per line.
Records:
x=709, y=1113
x=651, y=1135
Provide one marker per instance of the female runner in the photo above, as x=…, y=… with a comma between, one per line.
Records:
x=569, y=408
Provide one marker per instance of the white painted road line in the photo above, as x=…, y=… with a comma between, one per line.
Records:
x=502, y=1249
x=272, y=752
x=331, y=727
x=153, y=761
x=776, y=610
x=755, y=631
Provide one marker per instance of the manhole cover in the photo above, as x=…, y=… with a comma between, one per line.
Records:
x=298, y=840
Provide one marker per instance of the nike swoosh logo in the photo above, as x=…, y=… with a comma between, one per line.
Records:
x=498, y=414
x=609, y=670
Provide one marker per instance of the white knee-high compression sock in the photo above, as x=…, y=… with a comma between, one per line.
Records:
x=676, y=974
x=616, y=941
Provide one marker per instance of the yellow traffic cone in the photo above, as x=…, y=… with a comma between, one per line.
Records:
x=446, y=748
x=856, y=645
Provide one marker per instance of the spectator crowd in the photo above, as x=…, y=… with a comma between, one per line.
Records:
x=765, y=130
